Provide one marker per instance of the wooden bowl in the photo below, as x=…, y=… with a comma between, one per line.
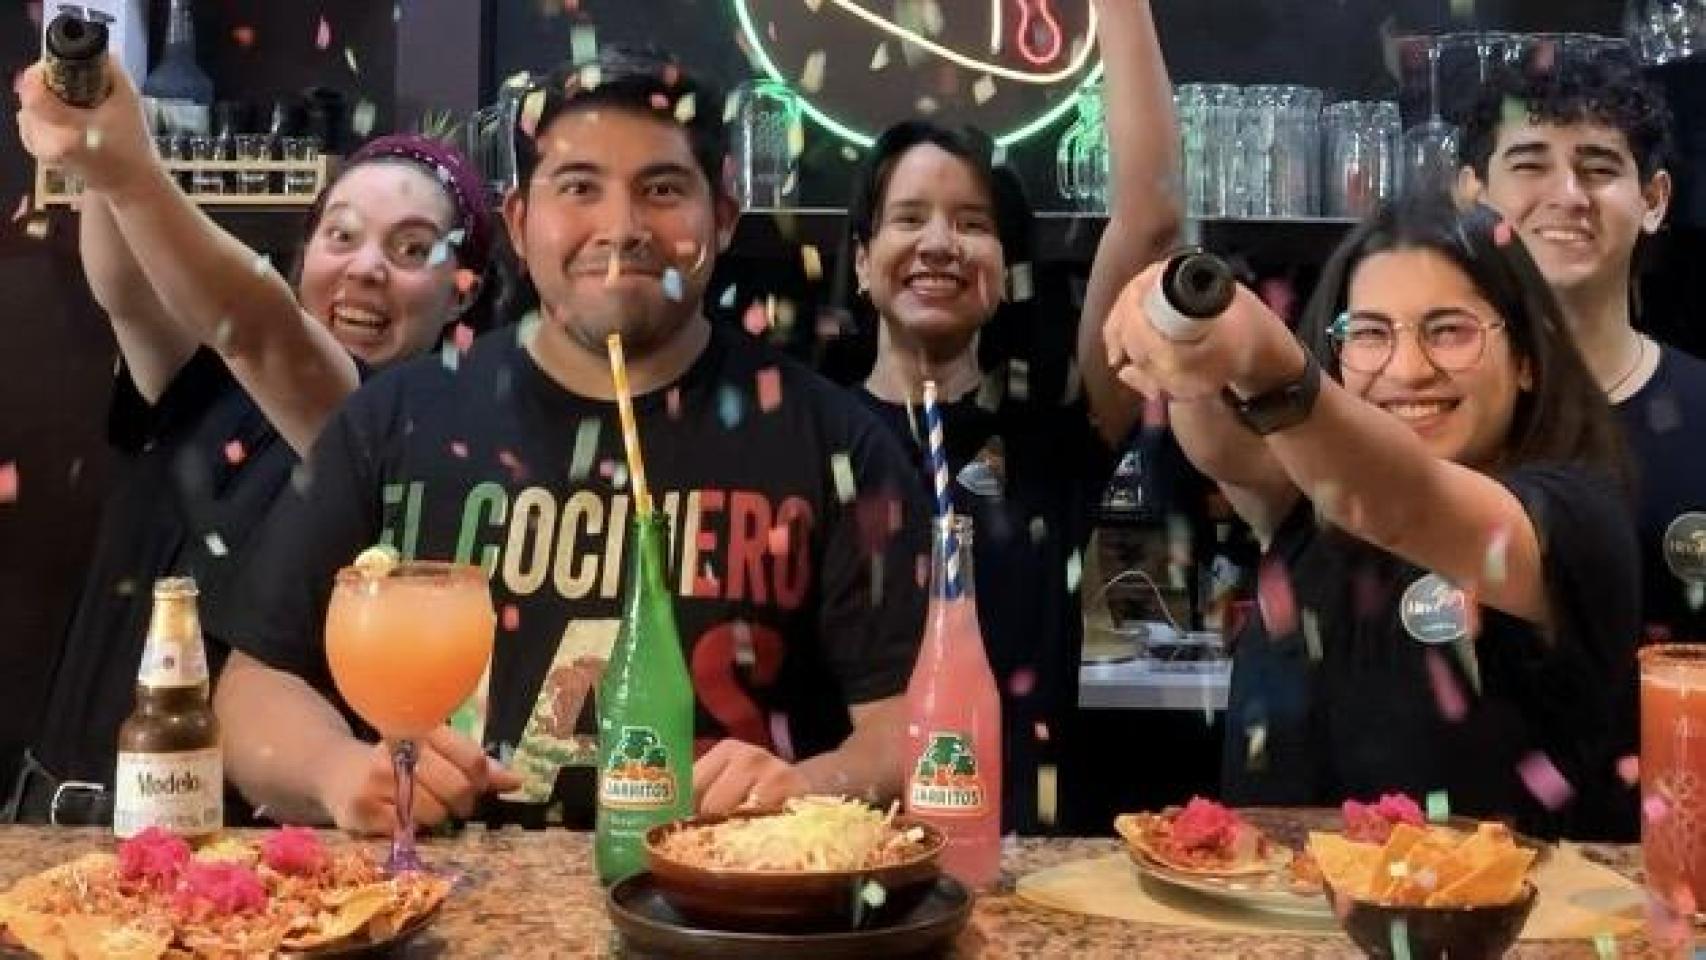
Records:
x=1435, y=933
x=789, y=900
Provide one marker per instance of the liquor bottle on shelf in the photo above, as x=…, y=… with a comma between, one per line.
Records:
x=178, y=92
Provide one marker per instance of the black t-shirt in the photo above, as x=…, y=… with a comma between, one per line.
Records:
x=1027, y=472
x=1665, y=422
x=797, y=529
x=197, y=471
x=1373, y=685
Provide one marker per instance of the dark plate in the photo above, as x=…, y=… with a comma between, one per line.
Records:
x=650, y=927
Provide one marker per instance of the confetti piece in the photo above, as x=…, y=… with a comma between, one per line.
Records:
x=811, y=77
x=462, y=336
x=244, y=35
x=586, y=447
x=1498, y=548
x=349, y=61
x=531, y=109
x=449, y=357
x=1605, y=945
x=1074, y=571
x=459, y=450
x=322, y=35
x=589, y=76
x=23, y=209
x=841, y=469
x=755, y=320
x=36, y=228
x=769, y=389
x=672, y=403
x=1439, y=807
x=727, y=299
x=731, y=408
x=1400, y=937
x=812, y=261
x=873, y=894
x=1048, y=793
x=1312, y=634
x=1654, y=808
x=1544, y=781
x=1256, y=744
x=92, y=138
x=1275, y=599
x=8, y=482
x=261, y=264
x=880, y=57
x=363, y=117
x=1022, y=682
x=583, y=43
x=672, y=284
x=234, y=452
x=511, y=617
x=215, y=544
x=686, y=108
x=983, y=89
x=1020, y=285
x=1629, y=769
x=1448, y=696
x=1503, y=234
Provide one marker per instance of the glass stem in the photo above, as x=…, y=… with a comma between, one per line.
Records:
x=1433, y=81
x=403, y=856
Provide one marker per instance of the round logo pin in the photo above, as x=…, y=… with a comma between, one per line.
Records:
x=1434, y=611
x=1685, y=546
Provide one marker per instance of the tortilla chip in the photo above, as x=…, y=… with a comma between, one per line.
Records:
x=1495, y=881
x=103, y=938
x=351, y=915
x=1347, y=864
x=39, y=933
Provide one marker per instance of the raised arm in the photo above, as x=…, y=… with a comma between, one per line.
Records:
x=219, y=291
x=154, y=348
x=1365, y=472
x=1143, y=143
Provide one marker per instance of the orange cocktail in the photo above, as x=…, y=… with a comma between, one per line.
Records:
x=1673, y=773
x=407, y=644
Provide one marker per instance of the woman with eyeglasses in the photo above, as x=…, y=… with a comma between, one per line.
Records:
x=227, y=373
x=1449, y=597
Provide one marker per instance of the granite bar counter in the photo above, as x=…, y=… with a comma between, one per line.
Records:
x=533, y=895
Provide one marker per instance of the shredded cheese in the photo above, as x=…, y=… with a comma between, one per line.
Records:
x=814, y=833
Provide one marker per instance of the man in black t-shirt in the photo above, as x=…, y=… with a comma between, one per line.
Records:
x=796, y=525
x=1573, y=155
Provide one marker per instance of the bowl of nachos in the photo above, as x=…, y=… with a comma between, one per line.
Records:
x=283, y=893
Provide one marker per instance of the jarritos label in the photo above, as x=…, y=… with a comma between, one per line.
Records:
x=945, y=779
x=637, y=776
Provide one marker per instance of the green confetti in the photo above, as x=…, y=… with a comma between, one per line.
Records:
x=1400, y=940
x=1439, y=807
x=1605, y=944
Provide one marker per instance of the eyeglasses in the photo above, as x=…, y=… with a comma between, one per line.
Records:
x=1453, y=343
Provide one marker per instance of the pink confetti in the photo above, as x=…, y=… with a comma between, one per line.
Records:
x=1503, y=234
x=1654, y=808
x=459, y=449
x=244, y=36
x=1022, y=682
x=23, y=208
x=1544, y=781
x=755, y=320
x=323, y=35
x=1277, y=602
x=1629, y=769
x=234, y=452
x=512, y=463
x=511, y=617
x=8, y=482
x=463, y=336
x=769, y=389
x=672, y=403
x=1040, y=731
x=1447, y=694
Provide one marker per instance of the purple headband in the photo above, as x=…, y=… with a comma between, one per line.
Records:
x=467, y=189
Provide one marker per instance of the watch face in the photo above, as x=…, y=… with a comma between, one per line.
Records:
x=1003, y=66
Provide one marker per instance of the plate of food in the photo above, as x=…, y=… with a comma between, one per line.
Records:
x=1206, y=849
x=284, y=893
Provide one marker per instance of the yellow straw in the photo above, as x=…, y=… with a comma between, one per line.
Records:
x=630, y=432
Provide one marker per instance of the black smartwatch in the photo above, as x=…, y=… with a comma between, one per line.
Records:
x=1280, y=408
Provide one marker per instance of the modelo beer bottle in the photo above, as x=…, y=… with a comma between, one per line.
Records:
x=953, y=718
x=645, y=714
x=170, y=774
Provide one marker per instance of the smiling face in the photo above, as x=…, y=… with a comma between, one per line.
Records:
x=1575, y=194
x=619, y=228
x=934, y=266
x=375, y=271
x=1463, y=416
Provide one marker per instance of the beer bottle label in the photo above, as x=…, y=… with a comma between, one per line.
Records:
x=182, y=792
x=167, y=664
x=944, y=779
x=638, y=774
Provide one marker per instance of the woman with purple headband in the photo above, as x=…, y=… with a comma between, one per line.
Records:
x=226, y=375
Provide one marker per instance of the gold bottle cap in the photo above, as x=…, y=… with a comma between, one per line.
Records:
x=172, y=588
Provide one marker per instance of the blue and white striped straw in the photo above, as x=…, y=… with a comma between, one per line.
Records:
x=944, y=496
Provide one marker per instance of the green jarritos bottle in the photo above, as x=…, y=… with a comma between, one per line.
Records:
x=645, y=714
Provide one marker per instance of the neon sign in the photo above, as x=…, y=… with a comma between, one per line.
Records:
x=1010, y=68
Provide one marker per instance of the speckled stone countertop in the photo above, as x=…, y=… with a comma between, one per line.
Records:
x=533, y=895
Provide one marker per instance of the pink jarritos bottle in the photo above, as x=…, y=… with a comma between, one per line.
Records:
x=953, y=725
